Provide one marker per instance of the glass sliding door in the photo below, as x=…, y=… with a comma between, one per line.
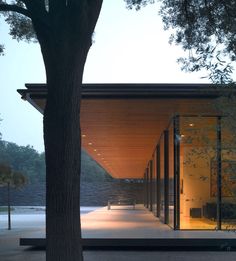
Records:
x=152, y=189
x=158, y=186
x=154, y=184
x=145, y=190
x=228, y=174
x=198, y=192
x=171, y=178
x=162, y=179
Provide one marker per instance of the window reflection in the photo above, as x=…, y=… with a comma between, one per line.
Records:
x=198, y=205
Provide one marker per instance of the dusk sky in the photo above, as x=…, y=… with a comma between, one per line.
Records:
x=129, y=47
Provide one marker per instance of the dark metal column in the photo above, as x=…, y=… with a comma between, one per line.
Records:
x=166, y=176
x=158, y=181
x=144, y=188
x=218, y=159
x=151, y=184
x=148, y=187
x=176, y=173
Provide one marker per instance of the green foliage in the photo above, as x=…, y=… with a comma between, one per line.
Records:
x=0, y=122
x=10, y=177
x=1, y=49
x=20, y=27
x=4, y=209
x=207, y=30
x=27, y=160
x=23, y=159
x=137, y=4
x=226, y=106
x=91, y=171
x=5, y=174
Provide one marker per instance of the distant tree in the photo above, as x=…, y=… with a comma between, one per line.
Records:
x=24, y=159
x=10, y=179
x=0, y=131
x=206, y=29
x=1, y=49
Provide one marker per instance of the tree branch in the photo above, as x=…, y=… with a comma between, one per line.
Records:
x=40, y=3
x=38, y=12
x=14, y=8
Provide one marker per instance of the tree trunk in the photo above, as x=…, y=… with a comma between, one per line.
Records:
x=63, y=154
x=64, y=42
x=9, y=205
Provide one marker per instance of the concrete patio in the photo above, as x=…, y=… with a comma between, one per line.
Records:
x=119, y=222
x=124, y=222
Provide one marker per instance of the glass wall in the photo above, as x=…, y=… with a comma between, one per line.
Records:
x=171, y=192
x=152, y=189
x=162, y=181
x=191, y=178
x=228, y=174
x=154, y=184
x=198, y=176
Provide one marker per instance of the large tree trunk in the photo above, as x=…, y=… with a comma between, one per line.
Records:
x=63, y=151
x=65, y=39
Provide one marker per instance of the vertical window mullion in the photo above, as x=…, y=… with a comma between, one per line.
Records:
x=176, y=173
x=219, y=181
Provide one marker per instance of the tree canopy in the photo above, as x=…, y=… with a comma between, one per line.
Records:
x=206, y=29
x=10, y=178
x=23, y=159
x=27, y=160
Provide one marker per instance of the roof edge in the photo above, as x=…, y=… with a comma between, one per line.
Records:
x=133, y=90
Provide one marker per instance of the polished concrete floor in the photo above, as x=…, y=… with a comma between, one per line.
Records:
x=124, y=222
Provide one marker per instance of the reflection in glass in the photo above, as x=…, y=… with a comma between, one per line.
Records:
x=228, y=181
x=154, y=185
x=171, y=174
x=162, y=184
x=198, y=185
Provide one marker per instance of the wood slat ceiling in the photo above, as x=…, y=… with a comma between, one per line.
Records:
x=121, y=134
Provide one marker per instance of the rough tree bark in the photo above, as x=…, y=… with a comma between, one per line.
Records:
x=62, y=150
x=64, y=66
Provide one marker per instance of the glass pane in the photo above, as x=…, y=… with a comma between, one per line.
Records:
x=154, y=187
x=198, y=183
x=162, y=182
x=171, y=175
x=228, y=181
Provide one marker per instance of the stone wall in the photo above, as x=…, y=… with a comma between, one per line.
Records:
x=92, y=193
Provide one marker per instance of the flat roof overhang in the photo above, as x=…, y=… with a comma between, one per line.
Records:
x=122, y=123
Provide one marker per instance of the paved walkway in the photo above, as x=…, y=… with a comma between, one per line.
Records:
x=104, y=223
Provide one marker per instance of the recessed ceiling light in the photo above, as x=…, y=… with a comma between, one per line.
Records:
x=94, y=150
x=90, y=143
x=191, y=124
x=83, y=135
x=182, y=135
x=99, y=154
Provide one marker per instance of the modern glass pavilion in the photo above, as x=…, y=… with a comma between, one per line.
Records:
x=172, y=136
